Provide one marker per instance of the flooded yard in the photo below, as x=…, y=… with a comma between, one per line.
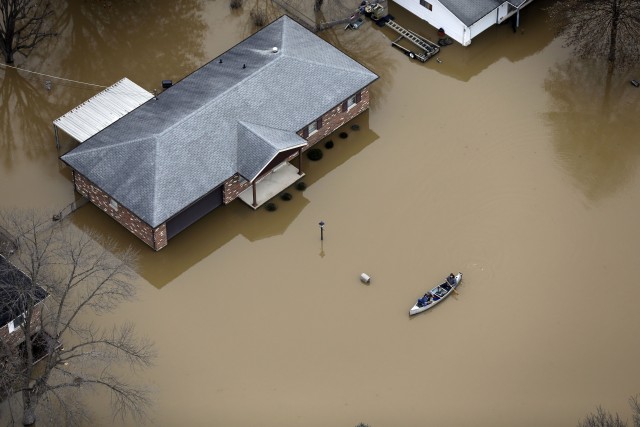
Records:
x=506, y=161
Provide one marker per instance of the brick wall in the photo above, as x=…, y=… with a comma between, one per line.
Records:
x=335, y=118
x=156, y=238
x=331, y=121
x=233, y=187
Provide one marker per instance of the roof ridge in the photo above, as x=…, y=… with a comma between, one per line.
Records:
x=156, y=166
x=218, y=96
x=73, y=152
x=363, y=72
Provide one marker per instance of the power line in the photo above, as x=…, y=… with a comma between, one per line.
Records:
x=65, y=82
x=53, y=77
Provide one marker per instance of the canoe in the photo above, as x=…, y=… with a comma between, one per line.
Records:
x=436, y=295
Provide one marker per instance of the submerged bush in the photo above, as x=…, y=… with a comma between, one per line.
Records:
x=271, y=206
x=314, y=154
x=301, y=186
x=286, y=196
x=258, y=17
x=355, y=127
x=235, y=4
x=343, y=135
x=328, y=145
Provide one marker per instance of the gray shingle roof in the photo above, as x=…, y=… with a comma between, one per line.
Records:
x=16, y=292
x=471, y=11
x=258, y=145
x=169, y=152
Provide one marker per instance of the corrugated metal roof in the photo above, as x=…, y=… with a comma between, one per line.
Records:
x=102, y=110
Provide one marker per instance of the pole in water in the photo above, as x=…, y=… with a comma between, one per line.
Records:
x=321, y=230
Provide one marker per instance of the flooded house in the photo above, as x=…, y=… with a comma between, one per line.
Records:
x=18, y=296
x=234, y=128
x=462, y=20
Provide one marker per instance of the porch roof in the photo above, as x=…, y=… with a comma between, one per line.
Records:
x=258, y=145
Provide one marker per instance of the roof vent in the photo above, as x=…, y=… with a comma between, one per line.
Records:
x=274, y=50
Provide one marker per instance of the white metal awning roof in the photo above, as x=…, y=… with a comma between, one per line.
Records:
x=103, y=109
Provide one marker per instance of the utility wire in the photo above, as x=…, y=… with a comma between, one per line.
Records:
x=53, y=77
x=66, y=80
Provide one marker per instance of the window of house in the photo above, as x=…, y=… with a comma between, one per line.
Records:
x=351, y=102
x=426, y=5
x=113, y=204
x=312, y=128
x=16, y=323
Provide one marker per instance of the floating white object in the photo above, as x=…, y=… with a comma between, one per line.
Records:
x=364, y=278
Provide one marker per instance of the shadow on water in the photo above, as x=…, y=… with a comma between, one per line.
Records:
x=146, y=41
x=494, y=44
x=368, y=51
x=26, y=108
x=595, y=129
x=226, y=223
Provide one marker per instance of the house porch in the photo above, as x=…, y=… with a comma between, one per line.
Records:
x=270, y=185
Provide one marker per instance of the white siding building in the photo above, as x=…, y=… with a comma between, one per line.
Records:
x=463, y=20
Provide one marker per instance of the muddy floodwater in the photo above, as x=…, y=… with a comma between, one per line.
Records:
x=508, y=161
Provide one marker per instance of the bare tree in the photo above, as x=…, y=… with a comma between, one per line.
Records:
x=600, y=28
x=23, y=24
x=81, y=276
x=635, y=409
x=603, y=418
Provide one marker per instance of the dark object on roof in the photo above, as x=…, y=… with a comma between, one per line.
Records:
x=17, y=292
x=166, y=84
x=635, y=83
x=166, y=154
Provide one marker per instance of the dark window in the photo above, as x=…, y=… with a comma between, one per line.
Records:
x=312, y=128
x=319, y=123
x=16, y=323
x=345, y=106
x=352, y=101
x=305, y=132
x=425, y=4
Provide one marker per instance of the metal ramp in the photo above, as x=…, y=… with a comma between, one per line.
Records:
x=430, y=49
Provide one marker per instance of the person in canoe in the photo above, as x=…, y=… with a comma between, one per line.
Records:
x=425, y=300
x=451, y=279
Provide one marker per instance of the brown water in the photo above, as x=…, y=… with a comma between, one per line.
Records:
x=507, y=161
